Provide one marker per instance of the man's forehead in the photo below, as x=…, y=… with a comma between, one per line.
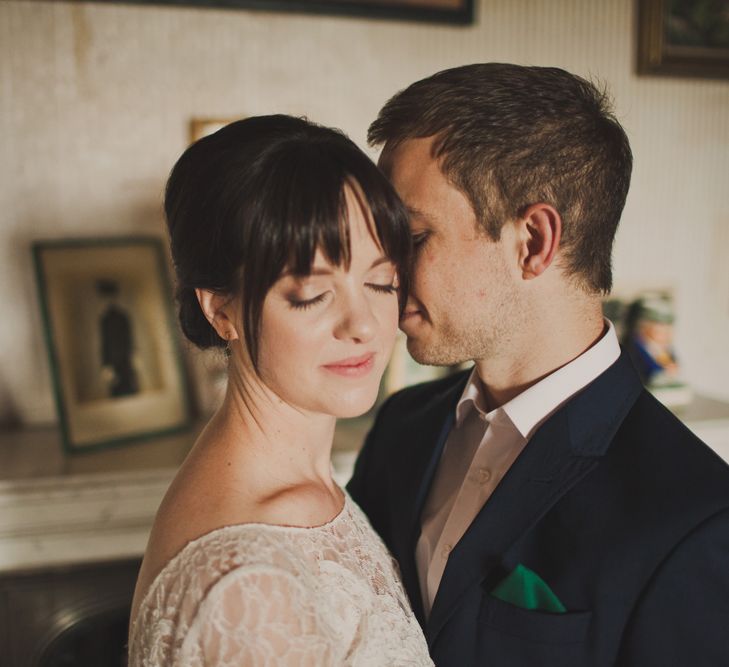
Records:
x=393, y=148
x=412, y=170
x=384, y=161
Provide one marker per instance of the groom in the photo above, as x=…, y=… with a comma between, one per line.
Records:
x=544, y=508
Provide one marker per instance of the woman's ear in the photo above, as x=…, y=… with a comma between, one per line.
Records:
x=542, y=228
x=218, y=311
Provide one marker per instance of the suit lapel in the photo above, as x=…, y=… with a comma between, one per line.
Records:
x=544, y=471
x=562, y=451
x=426, y=434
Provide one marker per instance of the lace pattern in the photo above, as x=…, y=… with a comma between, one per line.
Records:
x=260, y=595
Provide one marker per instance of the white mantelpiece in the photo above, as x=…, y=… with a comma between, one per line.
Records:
x=92, y=515
x=85, y=518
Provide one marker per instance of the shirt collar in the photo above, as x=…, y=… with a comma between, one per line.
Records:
x=530, y=408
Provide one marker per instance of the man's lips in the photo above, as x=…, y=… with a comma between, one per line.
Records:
x=410, y=313
x=353, y=366
x=413, y=309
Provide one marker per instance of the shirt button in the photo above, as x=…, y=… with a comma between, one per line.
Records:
x=445, y=552
x=483, y=475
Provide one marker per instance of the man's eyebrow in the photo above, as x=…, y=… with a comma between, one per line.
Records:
x=416, y=213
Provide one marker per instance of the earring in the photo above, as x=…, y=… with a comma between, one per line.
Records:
x=226, y=336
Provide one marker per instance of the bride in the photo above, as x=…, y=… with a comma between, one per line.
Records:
x=290, y=250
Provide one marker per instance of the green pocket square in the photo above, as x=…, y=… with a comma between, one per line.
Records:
x=526, y=589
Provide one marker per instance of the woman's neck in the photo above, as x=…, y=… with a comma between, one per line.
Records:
x=281, y=445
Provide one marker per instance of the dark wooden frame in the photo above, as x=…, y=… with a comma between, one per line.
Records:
x=657, y=56
x=406, y=10
x=64, y=404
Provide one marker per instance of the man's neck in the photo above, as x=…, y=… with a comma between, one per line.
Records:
x=537, y=354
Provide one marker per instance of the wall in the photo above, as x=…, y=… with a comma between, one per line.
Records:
x=95, y=101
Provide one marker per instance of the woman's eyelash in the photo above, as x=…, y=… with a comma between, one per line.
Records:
x=384, y=289
x=303, y=305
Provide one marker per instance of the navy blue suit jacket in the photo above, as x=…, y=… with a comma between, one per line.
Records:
x=614, y=503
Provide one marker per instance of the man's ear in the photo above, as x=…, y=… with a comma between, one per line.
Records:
x=216, y=308
x=541, y=227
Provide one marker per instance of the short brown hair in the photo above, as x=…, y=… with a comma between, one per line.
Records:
x=510, y=136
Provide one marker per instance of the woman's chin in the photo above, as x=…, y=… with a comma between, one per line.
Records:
x=351, y=414
x=354, y=406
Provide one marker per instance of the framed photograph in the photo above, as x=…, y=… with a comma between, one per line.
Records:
x=438, y=11
x=684, y=37
x=113, y=346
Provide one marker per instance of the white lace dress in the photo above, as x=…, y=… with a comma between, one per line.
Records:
x=256, y=594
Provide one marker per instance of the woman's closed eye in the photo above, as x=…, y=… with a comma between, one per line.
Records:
x=304, y=304
x=390, y=288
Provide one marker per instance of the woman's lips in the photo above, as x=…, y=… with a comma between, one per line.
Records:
x=353, y=366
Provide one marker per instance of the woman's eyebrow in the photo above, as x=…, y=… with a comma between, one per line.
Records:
x=315, y=271
x=381, y=260
x=326, y=271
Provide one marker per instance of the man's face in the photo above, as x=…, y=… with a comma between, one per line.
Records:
x=463, y=303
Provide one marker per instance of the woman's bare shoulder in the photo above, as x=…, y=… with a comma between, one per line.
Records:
x=215, y=488
x=200, y=501
x=193, y=506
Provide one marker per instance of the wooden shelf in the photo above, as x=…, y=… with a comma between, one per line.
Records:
x=35, y=453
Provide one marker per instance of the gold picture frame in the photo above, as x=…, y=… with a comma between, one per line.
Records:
x=684, y=38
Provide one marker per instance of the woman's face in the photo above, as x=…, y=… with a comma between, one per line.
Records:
x=327, y=337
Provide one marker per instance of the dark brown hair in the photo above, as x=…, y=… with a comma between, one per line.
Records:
x=511, y=136
x=260, y=196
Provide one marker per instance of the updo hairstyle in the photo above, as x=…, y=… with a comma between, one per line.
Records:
x=259, y=197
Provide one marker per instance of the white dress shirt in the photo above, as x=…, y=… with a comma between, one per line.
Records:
x=481, y=448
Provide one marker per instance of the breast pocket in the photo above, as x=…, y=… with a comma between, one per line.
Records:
x=512, y=636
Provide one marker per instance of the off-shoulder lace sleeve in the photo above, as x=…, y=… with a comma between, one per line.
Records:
x=279, y=596
x=259, y=615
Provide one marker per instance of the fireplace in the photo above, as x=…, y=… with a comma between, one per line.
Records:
x=67, y=617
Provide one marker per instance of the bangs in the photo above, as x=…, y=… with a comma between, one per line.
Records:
x=315, y=215
x=313, y=204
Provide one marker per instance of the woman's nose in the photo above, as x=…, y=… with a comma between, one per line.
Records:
x=357, y=321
